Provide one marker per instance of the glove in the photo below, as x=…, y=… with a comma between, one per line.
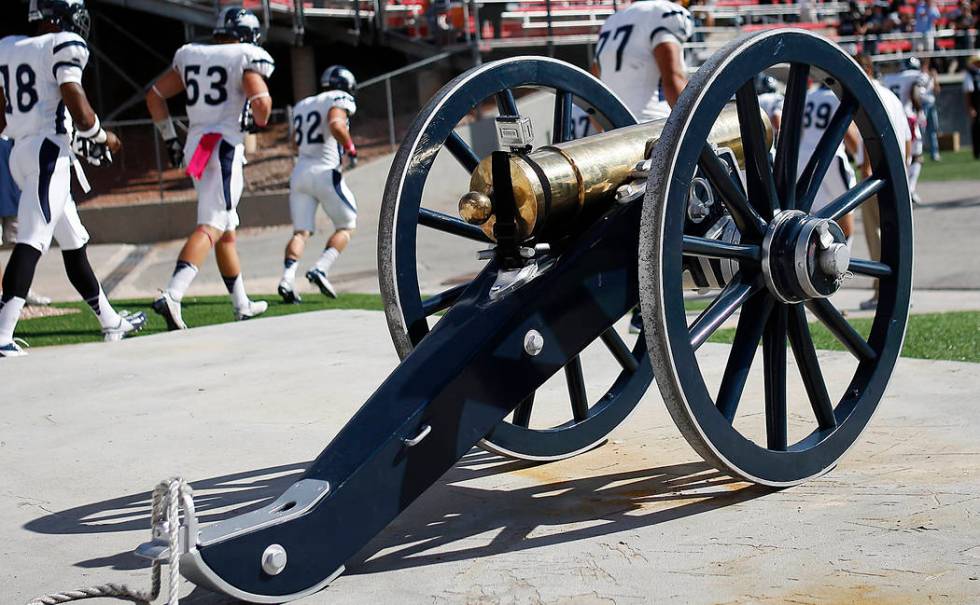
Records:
x=176, y=152
x=94, y=149
x=247, y=120
x=351, y=152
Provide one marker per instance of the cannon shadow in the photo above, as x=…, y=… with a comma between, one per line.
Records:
x=450, y=512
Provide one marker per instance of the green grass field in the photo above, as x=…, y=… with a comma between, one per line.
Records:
x=958, y=166
x=953, y=336
x=197, y=311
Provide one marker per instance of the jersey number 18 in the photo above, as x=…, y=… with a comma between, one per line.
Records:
x=26, y=95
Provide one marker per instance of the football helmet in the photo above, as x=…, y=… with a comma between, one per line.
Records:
x=911, y=63
x=240, y=24
x=765, y=84
x=68, y=15
x=338, y=77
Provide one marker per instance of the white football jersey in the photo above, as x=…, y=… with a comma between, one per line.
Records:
x=821, y=104
x=311, y=130
x=31, y=71
x=902, y=83
x=896, y=115
x=212, y=75
x=771, y=103
x=581, y=124
x=625, y=52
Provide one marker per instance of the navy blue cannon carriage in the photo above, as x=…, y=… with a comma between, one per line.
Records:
x=577, y=234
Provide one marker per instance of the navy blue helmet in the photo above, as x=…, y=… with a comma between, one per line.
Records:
x=67, y=15
x=912, y=63
x=240, y=24
x=764, y=84
x=338, y=77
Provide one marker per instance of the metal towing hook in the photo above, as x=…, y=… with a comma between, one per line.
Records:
x=747, y=235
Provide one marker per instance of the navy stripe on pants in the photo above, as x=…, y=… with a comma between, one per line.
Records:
x=226, y=156
x=47, y=160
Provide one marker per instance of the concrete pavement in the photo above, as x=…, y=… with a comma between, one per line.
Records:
x=638, y=520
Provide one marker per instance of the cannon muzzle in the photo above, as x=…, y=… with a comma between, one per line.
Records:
x=555, y=183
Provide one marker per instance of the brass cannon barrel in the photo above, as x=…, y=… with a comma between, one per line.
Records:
x=555, y=183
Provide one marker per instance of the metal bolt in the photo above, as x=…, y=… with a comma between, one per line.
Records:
x=533, y=342
x=274, y=559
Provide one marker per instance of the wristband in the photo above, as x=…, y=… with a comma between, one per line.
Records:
x=349, y=147
x=261, y=95
x=92, y=132
x=166, y=129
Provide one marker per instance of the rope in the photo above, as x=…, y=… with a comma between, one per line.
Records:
x=165, y=512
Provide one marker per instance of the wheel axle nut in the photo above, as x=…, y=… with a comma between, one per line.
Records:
x=533, y=343
x=274, y=559
x=835, y=260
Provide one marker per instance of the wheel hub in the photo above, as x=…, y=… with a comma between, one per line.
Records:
x=804, y=257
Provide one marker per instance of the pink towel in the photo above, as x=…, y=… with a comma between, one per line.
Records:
x=203, y=154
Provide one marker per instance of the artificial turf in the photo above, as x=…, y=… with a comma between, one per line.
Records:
x=954, y=166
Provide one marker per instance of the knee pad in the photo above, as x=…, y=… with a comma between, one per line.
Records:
x=207, y=234
x=229, y=237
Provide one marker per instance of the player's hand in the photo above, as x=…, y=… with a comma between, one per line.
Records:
x=351, y=152
x=113, y=142
x=94, y=149
x=175, y=151
x=247, y=120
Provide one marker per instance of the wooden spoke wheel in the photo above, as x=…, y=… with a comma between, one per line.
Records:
x=404, y=212
x=791, y=259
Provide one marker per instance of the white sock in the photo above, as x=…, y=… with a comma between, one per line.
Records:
x=326, y=259
x=183, y=275
x=9, y=314
x=914, y=171
x=108, y=317
x=290, y=265
x=236, y=289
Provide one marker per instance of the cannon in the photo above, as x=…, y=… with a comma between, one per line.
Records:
x=575, y=235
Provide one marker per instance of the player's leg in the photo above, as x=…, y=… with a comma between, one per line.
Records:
x=42, y=171
x=871, y=220
x=915, y=168
x=302, y=211
x=227, y=164
x=73, y=238
x=194, y=252
x=9, y=238
x=339, y=203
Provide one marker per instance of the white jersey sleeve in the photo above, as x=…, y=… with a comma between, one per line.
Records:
x=675, y=26
x=343, y=101
x=69, y=56
x=259, y=60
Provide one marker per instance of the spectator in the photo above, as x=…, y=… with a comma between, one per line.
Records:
x=926, y=15
x=928, y=88
x=9, y=200
x=971, y=94
x=494, y=13
x=962, y=20
x=851, y=22
x=438, y=19
x=876, y=22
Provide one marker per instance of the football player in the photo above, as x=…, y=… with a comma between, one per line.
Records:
x=321, y=132
x=219, y=79
x=640, y=57
x=48, y=116
x=821, y=104
x=909, y=85
x=770, y=100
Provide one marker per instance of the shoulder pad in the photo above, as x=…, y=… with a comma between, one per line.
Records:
x=674, y=20
x=69, y=46
x=257, y=59
x=344, y=101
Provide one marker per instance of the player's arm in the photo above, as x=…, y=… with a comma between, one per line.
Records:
x=257, y=93
x=3, y=114
x=852, y=139
x=337, y=122
x=87, y=125
x=168, y=85
x=669, y=58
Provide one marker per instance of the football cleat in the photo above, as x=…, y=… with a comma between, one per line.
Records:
x=289, y=296
x=319, y=279
x=36, y=300
x=169, y=309
x=869, y=305
x=254, y=309
x=129, y=323
x=12, y=349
